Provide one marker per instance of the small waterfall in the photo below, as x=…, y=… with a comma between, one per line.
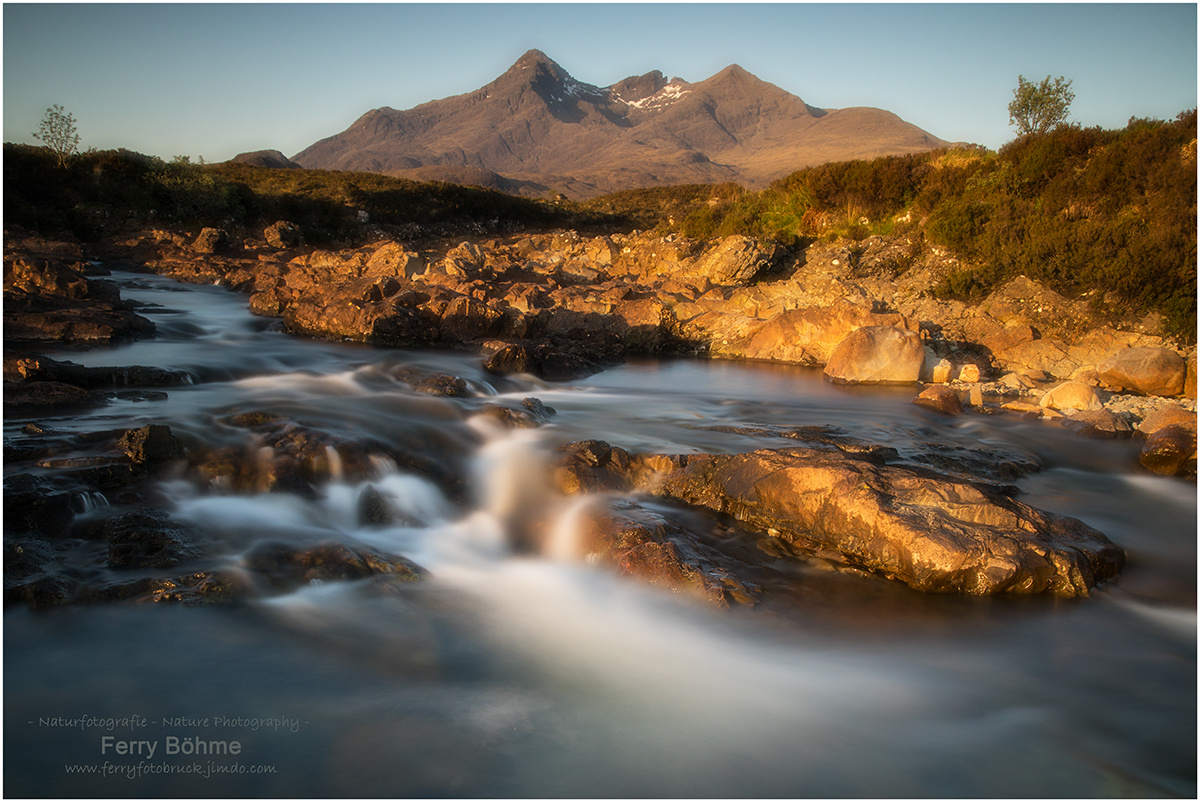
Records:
x=564, y=541
x=381, y=465
x=336, y=468
x=89, y=500
x=511, y=482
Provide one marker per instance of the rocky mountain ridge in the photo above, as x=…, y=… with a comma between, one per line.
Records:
x=540, y=127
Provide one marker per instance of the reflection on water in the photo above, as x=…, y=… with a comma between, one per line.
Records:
x=513, y=674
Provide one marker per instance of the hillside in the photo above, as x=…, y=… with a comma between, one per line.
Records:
x=537, y=128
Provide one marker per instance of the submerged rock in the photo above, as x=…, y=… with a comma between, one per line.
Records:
x=287, y=566
x=147, y=538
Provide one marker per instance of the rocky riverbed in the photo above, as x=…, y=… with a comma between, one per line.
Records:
x=729, y=576
x=560, y=306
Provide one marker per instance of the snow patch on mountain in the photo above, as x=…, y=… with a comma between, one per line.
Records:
x=663, y=97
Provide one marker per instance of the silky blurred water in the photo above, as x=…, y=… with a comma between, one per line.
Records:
x=517, y=674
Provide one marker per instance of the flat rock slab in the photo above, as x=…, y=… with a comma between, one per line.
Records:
x=930, y=531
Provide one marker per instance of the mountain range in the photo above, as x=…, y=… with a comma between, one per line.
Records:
x=536, y=128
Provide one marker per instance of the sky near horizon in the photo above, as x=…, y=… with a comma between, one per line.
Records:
x=215, y=80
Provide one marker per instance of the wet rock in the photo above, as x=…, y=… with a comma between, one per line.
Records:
x=443, y=384
x=150, y=445
x=540, y=412
x=147, y=538
x=287, y=566
x=544, y=361
x=1150, y=371
x=202, y=588
x=940, y=399
x=373, y=508
x=1170, y=451
x=877, y=355
x=1098, y=423
x=933, y=532
x=590, y=466
x=43, y=368
x=37, y=504
x=648, y=545
x=46, y=395
x=283, y=235
x=42, y=591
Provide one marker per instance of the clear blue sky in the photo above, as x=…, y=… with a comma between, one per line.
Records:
x=214, y=80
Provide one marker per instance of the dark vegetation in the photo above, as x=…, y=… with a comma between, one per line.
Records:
x=101, y=193
x=1110, y=212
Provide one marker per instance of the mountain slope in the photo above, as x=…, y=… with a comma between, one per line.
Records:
x=538, y=126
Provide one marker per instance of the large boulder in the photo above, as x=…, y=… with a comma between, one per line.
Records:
x=1072, y=395
x=1149, y=371
x=877, y=355
x=805, y=336
x=1170, y=450
x=933, y=532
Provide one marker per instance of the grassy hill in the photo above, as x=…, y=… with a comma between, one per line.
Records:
x=104, y=192
x=1078, y=208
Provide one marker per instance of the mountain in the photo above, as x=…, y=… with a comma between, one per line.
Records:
x=536, y=128
x=265, y=158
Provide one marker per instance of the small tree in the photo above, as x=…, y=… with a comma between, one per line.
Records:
x=59, y=133
x=1036, y=108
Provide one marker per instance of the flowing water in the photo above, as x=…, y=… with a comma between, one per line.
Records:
x=521, y=673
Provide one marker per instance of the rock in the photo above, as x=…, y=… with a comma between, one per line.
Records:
x=210, y=240
x=590, y=466
x=1036, y=357
x=933, y=532
x=1170, y=451
x=1072, y=395
x=1165, y=416
x=969, y=373
x=42, y=277
x=150, y=445
x=1149, y=371
x=941, y=399
x=646, y=544
x=391, y=259
x=935, y=369
x=37, y=504
x=43, y=395
x=373, y=508
x=736, y=260
x=283, y=235
x=877, y=355
x=286, y=566
x=806, y=336
x=544, y=361
x=1098, y=423
x=147, y=538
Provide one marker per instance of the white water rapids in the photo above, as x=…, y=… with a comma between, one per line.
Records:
x=528, y=672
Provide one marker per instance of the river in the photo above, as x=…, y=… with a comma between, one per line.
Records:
x=517, y=674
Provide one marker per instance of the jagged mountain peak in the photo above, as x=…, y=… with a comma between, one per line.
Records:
x=538, y=126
